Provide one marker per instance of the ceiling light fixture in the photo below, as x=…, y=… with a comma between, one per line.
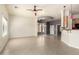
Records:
x=35, y=10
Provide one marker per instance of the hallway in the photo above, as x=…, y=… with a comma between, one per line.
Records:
x=41, y=45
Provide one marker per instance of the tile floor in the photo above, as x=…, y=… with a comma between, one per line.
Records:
x=41, y=45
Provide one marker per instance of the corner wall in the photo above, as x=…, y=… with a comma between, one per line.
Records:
x=3, y=40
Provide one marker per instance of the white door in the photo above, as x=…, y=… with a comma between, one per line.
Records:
x=52, y=29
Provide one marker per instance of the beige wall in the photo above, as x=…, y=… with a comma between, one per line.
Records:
x=22, y=26
x=3, y=10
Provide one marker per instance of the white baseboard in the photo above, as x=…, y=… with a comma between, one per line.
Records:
x=22, y=37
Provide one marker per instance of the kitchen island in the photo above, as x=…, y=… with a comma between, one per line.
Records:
x=71, y=37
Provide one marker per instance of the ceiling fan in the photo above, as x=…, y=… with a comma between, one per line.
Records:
x=35, y=10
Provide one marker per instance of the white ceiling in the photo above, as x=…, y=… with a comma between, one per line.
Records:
x=48, y=9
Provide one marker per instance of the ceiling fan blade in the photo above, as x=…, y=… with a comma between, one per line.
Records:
x=39, y=9
x=29, y=9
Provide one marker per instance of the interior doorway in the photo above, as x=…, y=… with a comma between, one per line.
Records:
x=41, y=28
x=44, y=25
x=58, y=32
